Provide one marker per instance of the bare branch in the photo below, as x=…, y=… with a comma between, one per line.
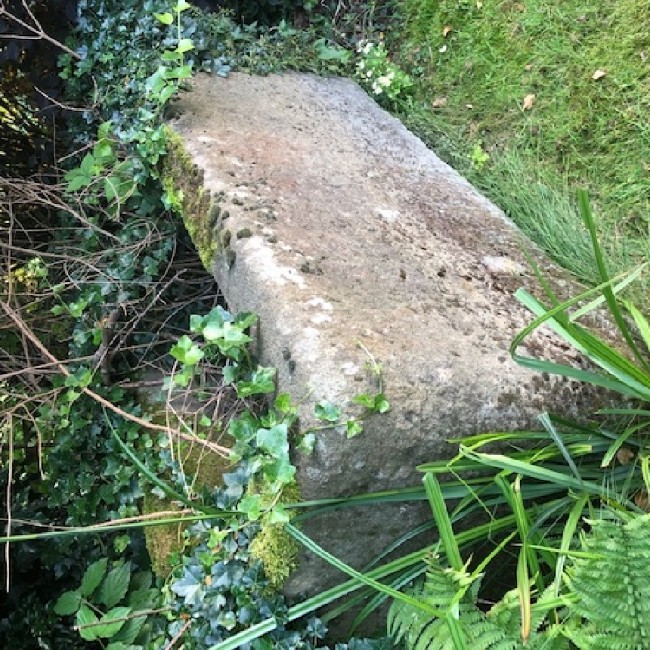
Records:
x=36, y=30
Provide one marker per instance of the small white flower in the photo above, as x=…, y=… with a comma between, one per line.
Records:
x=361, y=65
x=384, y=81
x=443, y=49
x=369, y=74
x=366, y=49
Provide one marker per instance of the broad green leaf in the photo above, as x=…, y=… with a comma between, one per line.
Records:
x=111, y=622
x=381, y=404
x=364, y=399
x=88, y=165
x=68, y=603
x=165, y=18
x=115, y=585
x=92, y=577
x=86, y=616
x=181, y=5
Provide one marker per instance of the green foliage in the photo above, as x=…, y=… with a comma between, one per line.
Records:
x=499, y=628
x=382, y=78
x=97, y=610
x=610, y=583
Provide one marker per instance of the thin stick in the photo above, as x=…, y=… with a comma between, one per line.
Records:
x=8, y=497
x=23, y=327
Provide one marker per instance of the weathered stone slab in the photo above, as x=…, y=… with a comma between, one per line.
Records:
x=346, y=234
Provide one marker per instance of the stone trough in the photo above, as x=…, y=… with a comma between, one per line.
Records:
x=352, y=241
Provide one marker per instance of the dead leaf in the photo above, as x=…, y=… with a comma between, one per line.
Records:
x=641, y=500
x=529, y=100
x=599, y=74
x=439, y=102
x=624, y=455
x=528, y=67
x=446, y=30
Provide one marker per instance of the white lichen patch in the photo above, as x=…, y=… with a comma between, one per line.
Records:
x=390, y=216
x=262, y=260
x=500, y=264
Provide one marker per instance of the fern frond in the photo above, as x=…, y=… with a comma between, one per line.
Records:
x=612, y=585
x=500, y=629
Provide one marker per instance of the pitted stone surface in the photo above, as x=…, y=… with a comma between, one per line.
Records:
x=351, y=238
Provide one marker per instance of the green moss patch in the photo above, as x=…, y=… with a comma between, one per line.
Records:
x=185, y=194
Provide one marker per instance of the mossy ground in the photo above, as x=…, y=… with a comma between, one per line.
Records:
x=476, y=62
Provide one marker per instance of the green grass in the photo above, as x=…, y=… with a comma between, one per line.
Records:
x=580, y=132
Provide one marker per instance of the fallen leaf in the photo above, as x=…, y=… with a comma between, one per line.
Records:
x=529, y=100
x=528, y=67
x=446, y=30
x=641, y=500
x=624, y=455
x=439, y=102
x=599, y=74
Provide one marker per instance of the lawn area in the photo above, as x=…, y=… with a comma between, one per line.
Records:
x=532, y=100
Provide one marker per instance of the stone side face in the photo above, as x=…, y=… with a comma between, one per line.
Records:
x=344, y=229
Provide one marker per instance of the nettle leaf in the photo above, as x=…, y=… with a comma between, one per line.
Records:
x=68, y=603
x=111, y=622
x=93, y=576
x=115, y=585
x=86, y=617
x=274, y=440
x=327, y=411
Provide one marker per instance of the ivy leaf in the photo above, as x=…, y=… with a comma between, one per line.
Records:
x=353, y=428
x=184, y=45
x=92, y=577
x=365, y=400
x=307, y=443
x=86, y=616
x=381, y=404
x=251, y=506
x=261, y=382
x=229, y=374
x=327, y=411
x=189, y=588
x=278, y=515
x=115, y=585
x=165, y=18
x=68, y=603
x=274, y=440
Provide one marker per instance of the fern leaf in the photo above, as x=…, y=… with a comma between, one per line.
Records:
x=613, y=586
